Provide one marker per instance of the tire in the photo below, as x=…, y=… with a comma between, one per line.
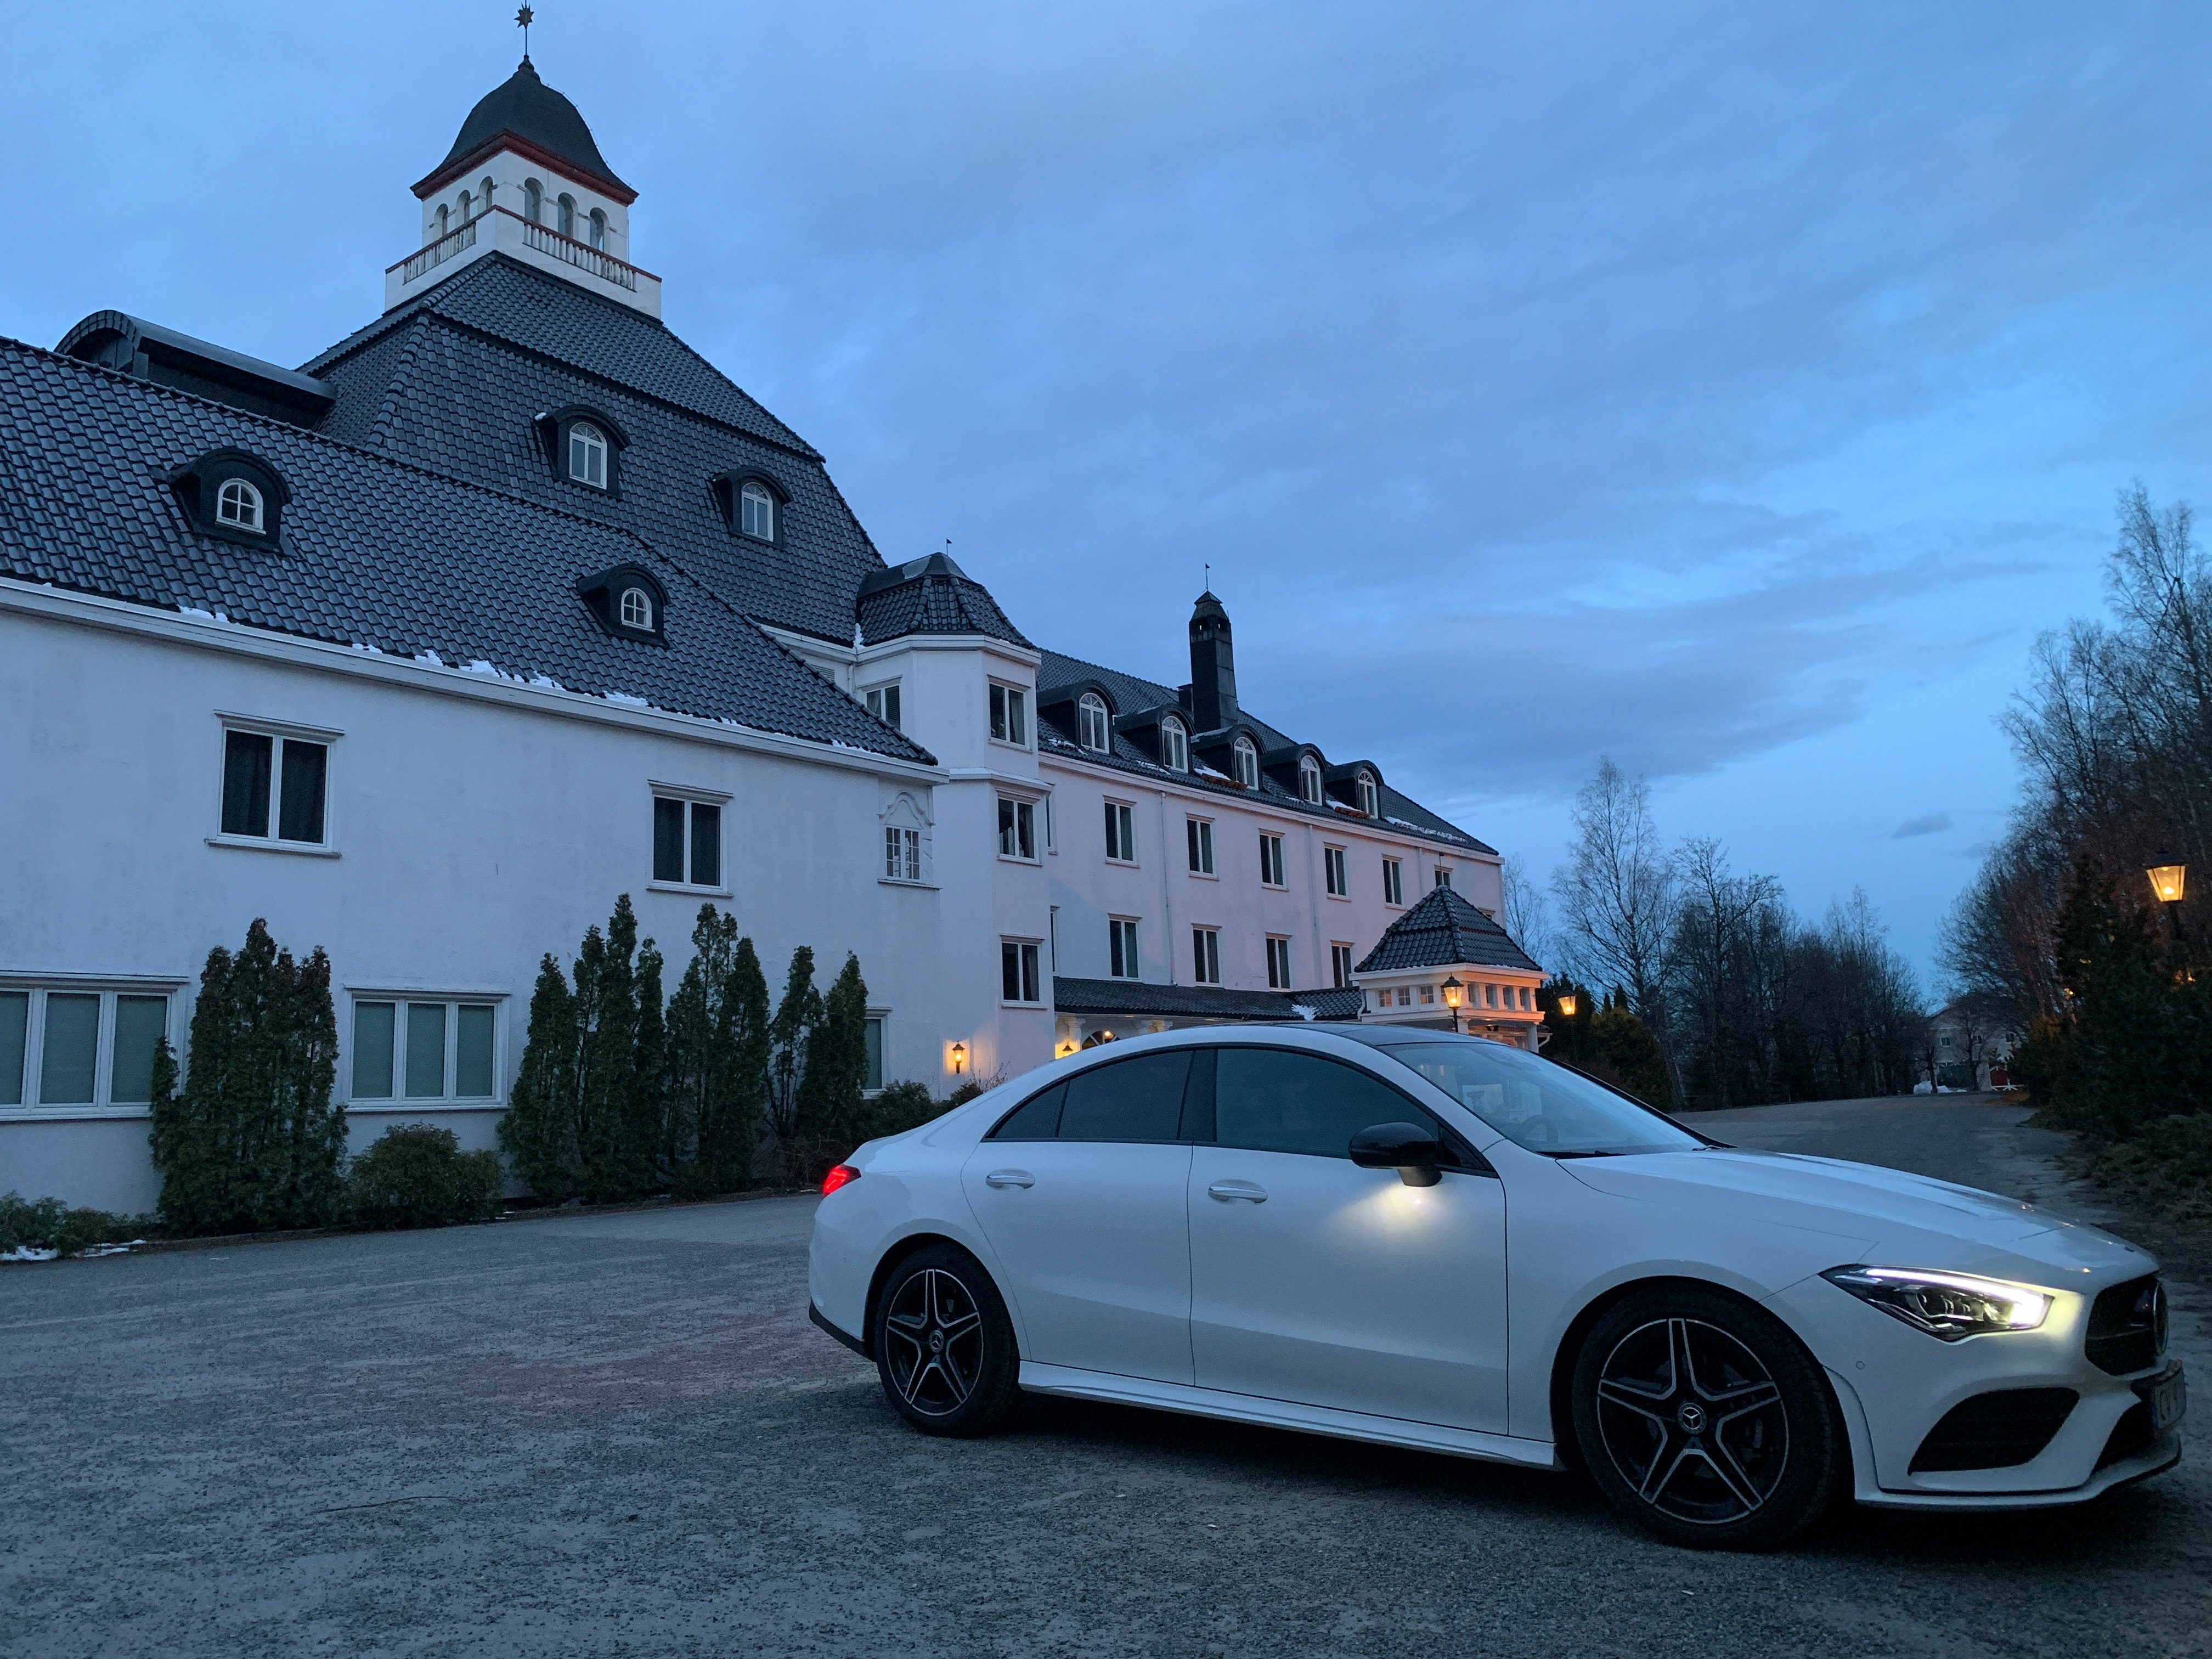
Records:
x=944, y=1347
x=1742, y=1458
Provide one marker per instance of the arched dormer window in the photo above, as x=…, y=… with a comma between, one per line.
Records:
x=587, y=455
x=565, y=214
x=1370, y=797
x=1175, y=746
x=637, y=608
x=468, y=207
x=238, y=504
x=598, y=230
x=1245, y=762
x=756, y=512
x=1310, y=781
x=1091, y=722
x=628, y=601
x=445, y=223
x=533, y=201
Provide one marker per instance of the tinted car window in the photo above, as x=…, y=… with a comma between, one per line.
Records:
x=1136, y=1099
x=1035, y=1119
x=1271, y=1100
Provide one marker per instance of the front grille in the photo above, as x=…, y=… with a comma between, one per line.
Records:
x=1997, y=1431
x=2130, y=1436
x=2127, y=1327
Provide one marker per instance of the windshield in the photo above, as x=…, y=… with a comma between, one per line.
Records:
x=1536, y=1105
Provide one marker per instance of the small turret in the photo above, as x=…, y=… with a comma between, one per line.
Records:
x=1212, y=665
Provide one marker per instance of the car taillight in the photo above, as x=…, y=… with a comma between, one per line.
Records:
x=838, y=1178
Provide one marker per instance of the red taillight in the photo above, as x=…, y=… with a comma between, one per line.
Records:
x=838, y=1178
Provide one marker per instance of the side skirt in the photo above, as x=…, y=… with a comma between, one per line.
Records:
x=1287, y=1414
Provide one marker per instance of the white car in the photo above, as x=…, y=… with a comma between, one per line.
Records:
x=1422, y=1240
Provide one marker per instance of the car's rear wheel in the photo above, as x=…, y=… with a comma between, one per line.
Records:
x=944, y=1347
x=1705, y=1419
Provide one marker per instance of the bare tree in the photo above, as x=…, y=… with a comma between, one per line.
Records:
x=1527, y=917
x=1616, y=894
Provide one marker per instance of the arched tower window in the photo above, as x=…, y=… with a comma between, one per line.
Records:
x=1175, y=746
x=587, y=455
x=598, y=230
x=756, y=513
x=1091, y=722
x=565, y=214
x=444, y=222
x=468, y=207
x=1310, y=781
x=1246, y=763
x=483, y=197
x=533, y=201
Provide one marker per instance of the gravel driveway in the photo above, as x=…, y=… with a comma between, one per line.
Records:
x=617, y=1434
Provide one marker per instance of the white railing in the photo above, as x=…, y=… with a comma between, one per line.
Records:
x=580, y=254
x=438, y=252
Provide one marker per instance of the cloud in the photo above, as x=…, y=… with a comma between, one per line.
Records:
x=1928, y=823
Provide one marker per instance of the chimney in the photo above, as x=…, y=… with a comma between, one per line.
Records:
x=1212, y=666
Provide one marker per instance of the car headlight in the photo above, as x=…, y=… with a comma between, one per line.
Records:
x=1948, y=1306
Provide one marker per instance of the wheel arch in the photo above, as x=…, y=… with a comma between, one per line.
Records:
x=888, y=1264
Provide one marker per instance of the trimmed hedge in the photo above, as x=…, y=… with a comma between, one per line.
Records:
x=417, y=1176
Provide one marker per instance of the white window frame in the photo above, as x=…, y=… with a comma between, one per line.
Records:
x=1198, y=838
x=1441, y=876
x=1244, y=763
x=399, y=1101
x=1175, y=745
x=1120, y=827
x=1205, y=955
x=1024, y=812
x=279, y=732
x=878, y=1021
x=1370, y=798
x=692, y=796
x=884, y=700
x=1339, y=964
x=1278, y=947
x=588, y=436
x=248, y=498
x=1032, y=964
x=902, y=854
x=1090, y=724
x=756, y=502
x=1122, y=959
x=108, y=988
x=1336, y=873
x=1271, y=856
x=642, y=619
x=1310, y=781
x=1394, y=882
x=1010, y=714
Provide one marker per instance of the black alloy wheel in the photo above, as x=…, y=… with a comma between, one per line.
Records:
x=944, y=1347
x=1704, y=1417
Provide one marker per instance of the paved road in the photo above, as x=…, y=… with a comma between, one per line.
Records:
x=617, y=1435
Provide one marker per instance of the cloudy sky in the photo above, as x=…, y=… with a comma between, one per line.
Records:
x=1734, y=390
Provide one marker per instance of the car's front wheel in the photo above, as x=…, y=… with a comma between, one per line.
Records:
x=943, y=1346
x=1702, y=1417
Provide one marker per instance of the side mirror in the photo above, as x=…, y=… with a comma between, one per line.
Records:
x=1412, y=1151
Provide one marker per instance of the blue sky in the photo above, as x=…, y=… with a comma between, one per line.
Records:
x=1732, y=389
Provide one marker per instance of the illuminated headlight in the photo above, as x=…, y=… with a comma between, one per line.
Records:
x=1948, y=1306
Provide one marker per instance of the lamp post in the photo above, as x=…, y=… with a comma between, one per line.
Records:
x=1567, y=1005
x=1453, y=992
x=2169, y=879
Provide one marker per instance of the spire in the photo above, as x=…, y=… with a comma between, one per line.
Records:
x=522, y=21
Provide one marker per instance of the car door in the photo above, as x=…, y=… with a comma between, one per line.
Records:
x=1081, y=1192
x=1317, y=1281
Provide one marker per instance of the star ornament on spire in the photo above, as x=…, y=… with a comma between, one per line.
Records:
x=522, y=21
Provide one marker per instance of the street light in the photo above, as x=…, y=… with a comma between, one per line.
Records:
x=2168, y=875
x=1453, y=991
x=959, y=1057
x=1567, y=1005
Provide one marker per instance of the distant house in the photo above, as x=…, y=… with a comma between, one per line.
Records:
x=1966, y=1045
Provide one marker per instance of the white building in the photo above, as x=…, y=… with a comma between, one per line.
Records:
x=509, y=603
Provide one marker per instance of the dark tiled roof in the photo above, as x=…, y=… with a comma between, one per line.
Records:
x=1347, y=1004
x=375, y=553
x=1442, y=930
x=929, y=595
x=1137, y=1001
x=1132, y=695
x=526, y=106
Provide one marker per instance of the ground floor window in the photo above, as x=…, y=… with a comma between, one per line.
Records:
x=79, y=1046
x=1205, y=955
x=687, y=841
x=425, y=1050
x=873, y=1078
x=1017, y=971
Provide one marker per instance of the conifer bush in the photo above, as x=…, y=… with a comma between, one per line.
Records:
x=718, y=1060
x=417, y=1176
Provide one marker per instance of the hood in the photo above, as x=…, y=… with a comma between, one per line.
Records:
x=1932, y=1223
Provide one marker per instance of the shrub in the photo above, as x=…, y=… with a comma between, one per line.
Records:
x=2171, y=1159
x=900, y=1107
x=417, y=1176
x=47, y=1223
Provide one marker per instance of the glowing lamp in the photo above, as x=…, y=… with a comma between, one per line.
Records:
x=2167, y=878
x=959, y=1058
x=841, y=1176
x=1453, y=991
x=1567, y=1006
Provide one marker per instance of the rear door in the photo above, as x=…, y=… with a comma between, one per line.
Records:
x=1316, y=1281
x=1081, y=1191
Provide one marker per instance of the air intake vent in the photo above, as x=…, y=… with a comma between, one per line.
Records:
x=2127, y=1327
x=1997, y=1431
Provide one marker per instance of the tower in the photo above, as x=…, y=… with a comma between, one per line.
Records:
x=1212, y=665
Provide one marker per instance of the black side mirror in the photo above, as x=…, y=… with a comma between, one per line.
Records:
x=1411, y=1150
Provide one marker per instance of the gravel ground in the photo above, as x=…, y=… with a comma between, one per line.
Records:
x=618, y=1435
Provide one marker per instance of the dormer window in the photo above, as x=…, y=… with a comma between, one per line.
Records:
x=587, y=455
x=756, y=513
x=1091, y=722
x=533, y=201
x=1310, y=781
x=637, y=608
x=1245, y=763
x=565, y=214
x=628, y=601
x=238, y=503
x=1370, y=802
x=1175, y=746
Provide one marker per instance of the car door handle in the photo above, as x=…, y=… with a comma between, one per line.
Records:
x=1010, y=1178
x=1226, y=1191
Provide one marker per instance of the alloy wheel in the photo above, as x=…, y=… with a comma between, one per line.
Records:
x=935, y=1348
x=1692, y=1421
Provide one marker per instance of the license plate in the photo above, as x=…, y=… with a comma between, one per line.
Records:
x=2167, y=1396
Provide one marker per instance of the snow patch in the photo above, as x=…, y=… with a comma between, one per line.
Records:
x=428, y=658
x=196, y=613
x=546, y=682
x=625, y=700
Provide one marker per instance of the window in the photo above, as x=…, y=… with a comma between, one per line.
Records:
x=565, y=214
x=468, y=207
x=1121, y=948
x=1271, y=1100
x=1278, y=962
x=1331, y=866
x=1271, y=860
x=1091, y=722
x=1010, y=714
x=1405, y=996
x=756, y=513
x=598, y=230
x=1340, y=966
x=883, y=701
x=533, y=201
x=1120, y=833
x=872, y=1074
x=901, y=853
x=1525, y=1007
x=483, y=200
x=1017, y=829
x=53, y=1041
x=1539, y=1105
x=587, y=455
x=445, y=223
x=1136, y=1099
x=1175, y=746
x=1428, y=993
x=249, y=760
x=1490, y=996
x=1017, y=971
x=239, y=503
x=1310, y=781
x=1394, y=882
x=1443, y=876
x=1205, y=955
x=424, y=1049
x=1199, y=833
x=1370, y=802
x=1246, y=764
x=637, y=608
x=687, y=841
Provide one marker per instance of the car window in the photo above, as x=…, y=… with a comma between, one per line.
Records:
x=1539, y=1105
x=1272, y=1100
x=1036, y=1118
x=1136, y=1099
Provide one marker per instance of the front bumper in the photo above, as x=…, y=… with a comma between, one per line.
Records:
x=1895, y=1384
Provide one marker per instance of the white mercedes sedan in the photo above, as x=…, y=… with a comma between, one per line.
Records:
x=1427, y=1241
